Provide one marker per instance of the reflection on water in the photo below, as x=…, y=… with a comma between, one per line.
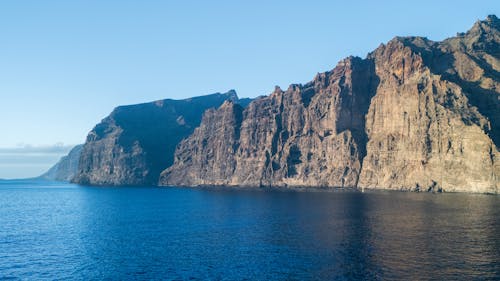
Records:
x=66, y=231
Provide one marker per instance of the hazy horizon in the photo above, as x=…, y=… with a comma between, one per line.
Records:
x=66, y=65
x=29, y=161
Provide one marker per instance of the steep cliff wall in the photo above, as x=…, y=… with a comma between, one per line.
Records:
x=310, y=135
x=444, y=99
x=135, y=143
x=424, y=132
x=413, y=115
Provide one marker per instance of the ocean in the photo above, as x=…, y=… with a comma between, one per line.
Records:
x=52, y=231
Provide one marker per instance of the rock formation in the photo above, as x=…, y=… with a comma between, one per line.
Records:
x=414, y=115
x=66, y=168
x=135, y=143
x=309, y=135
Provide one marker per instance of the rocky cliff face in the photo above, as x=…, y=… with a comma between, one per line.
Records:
x=309, y=135
x=414, y=115
x=66, y=168
x=135, y=143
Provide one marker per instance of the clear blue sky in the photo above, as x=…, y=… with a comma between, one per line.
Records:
x=64, y=65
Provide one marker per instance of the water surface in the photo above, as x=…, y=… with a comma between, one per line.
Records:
x=63, y=231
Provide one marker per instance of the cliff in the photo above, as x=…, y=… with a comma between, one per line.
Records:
x=135, y=143
x=413, y=115
x=66, y=168
x=308, y=135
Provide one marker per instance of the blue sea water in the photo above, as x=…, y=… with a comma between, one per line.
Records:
x=62, y=231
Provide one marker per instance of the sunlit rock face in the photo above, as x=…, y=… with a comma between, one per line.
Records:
x=414, y=115
x=308, y=135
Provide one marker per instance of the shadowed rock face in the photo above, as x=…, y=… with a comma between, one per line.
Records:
x=66, y=168
x=135, y=143
x=414, y=115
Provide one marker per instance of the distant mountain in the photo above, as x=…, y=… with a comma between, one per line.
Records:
x=135, y=143
x=66, y=168
x=413, y=115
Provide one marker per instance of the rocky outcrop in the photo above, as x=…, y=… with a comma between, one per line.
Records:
x=424, y=132
x=66, y=168
x=135, y=143
x=414, y=115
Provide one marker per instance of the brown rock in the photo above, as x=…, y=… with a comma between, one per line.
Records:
x=424, y=133
x=310, y=135
x=414, y=115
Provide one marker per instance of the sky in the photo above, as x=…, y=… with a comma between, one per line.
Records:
x=64, y=65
